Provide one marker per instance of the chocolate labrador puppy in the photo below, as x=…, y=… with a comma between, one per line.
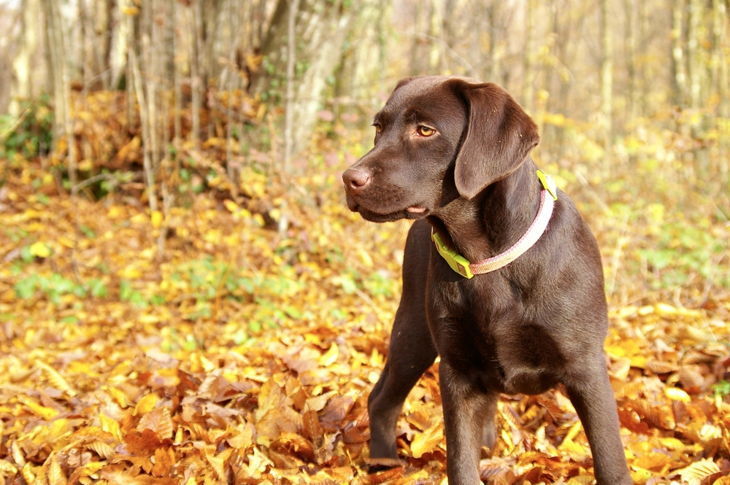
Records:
x=501, y=276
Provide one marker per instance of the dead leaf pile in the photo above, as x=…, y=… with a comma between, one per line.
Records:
x=241, y=355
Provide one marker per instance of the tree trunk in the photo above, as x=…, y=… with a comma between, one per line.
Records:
x=146, y=111
x=606, y=76
x=23, y=86
x=678, y=65
x=320, y=32
x=630, y=22
x=527, y=55
x=103, y=28
x=290, y=63
x=493, y=64
x=196, y=71
x=57, y=55
x=694, y=67
x=121, y=42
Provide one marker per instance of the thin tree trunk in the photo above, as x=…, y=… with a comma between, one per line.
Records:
x=492, y=71
x=694, y=63
x=630, y=22
x=103, y=11
x=720, y=66
x=290, y=64
x=436, y=37
x=527, y=64
x=144, y=114
x=121, y=41
x=606, y=76
x=643, y=23
x=196, y=82
x=176, y=79
x=22, y=87
x=63, y=128
x=235, y=29
x=678, y=65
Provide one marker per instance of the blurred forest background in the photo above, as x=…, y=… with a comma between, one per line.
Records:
x=185, y=298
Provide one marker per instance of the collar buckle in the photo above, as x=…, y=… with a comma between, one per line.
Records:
x=456, y=261
x=548, y=183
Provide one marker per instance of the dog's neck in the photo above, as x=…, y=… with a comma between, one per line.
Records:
x=493, y=220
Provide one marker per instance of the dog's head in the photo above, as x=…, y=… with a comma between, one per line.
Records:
x=437, y=136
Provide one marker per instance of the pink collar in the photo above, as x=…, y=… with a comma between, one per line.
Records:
x=461, y=265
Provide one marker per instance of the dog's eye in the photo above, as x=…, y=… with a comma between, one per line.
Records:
x=378, y=128
x=425, y=131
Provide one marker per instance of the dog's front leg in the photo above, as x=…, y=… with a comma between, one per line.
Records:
x=591, y=394
x=411, y=352
x=468, y=422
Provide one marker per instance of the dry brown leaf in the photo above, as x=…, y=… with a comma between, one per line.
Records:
x=55, y=473
x=158, y=421
x=56, y=379
x=693, y=474
x=296, y=445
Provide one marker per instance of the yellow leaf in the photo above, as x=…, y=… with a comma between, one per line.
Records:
x=230, y=205
x=709, y=432
x=427, y=441
x=672, y=443
x=118, y=396
x=573, y=431
x=638, y=361
x=115, y=211
x=146, y=404
x=156, y=219
x=574, y=450
x=7, y=468
x=40, y=250
x=42, y=411
x=66, y=241
x=677, y=394
x=640, y=475
x=111, y=426
x=330, y=357
x=652, y=460
x=27, y=473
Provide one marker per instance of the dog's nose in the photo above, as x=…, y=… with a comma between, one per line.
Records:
x=356, y=178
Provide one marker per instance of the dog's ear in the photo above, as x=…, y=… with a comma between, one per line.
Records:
x=403, y=82
x=498, y=137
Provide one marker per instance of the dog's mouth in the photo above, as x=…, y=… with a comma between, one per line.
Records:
x=410, y=212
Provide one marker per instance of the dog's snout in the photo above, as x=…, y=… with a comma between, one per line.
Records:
x=356, y=178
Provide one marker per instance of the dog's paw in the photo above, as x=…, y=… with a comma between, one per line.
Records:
x=379, y=464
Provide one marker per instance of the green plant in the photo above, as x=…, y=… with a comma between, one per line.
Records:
x=683, y=250
x=30, y=134
x=53, y=287
x=722, y=389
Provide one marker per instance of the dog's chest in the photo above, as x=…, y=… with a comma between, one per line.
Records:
x=493, y=338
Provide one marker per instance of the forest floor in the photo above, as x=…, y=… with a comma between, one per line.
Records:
x=204, y=347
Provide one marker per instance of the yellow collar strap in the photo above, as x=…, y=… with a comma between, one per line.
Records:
x=461, y=265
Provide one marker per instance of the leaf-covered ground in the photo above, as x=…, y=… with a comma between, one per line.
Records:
x=204, y=347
